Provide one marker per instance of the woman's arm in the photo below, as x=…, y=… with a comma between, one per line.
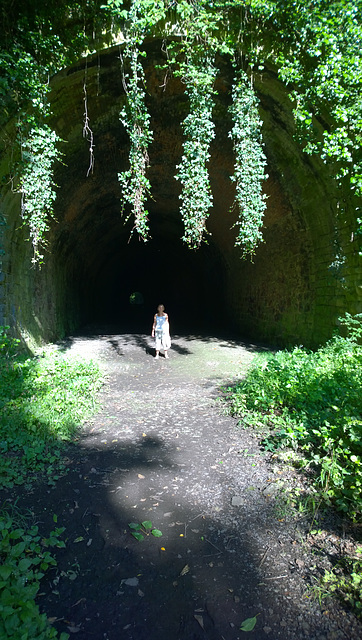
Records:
x=153, y=326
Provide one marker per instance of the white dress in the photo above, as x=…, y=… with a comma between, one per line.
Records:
x=162, y=333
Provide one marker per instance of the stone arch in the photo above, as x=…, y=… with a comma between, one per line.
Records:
x=292, y=292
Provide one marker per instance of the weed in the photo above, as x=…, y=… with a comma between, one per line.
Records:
x=141, y=529
x=310, y=403
x=25, y=558
x=345, y=580
x=42, y=402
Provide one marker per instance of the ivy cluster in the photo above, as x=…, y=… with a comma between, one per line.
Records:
x=316, y=47
x=38, y=153
x=198, y=127
x=250, y=163
x=136, y=119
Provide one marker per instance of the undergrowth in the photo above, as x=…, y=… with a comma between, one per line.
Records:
x=25, y=558
x=43, y=400
x=307, y=408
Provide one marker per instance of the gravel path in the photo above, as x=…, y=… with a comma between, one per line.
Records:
x=161, y=449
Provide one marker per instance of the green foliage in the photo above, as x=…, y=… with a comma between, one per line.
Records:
x=38, y=151
x=250, y=165
x=198, y=74
x=141, y=529
x=345, y=581
x=311, y=403
x=315, y=47
x=136, y=119
x=42, y=402
x=24, y=560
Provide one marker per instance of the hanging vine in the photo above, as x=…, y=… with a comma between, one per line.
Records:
x=38, y=154
x=315, y=45
x=198, y=127
x=250, y=163
x=135, y=117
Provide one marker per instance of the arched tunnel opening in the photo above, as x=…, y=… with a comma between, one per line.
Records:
x=189, y=284
x=293, y=290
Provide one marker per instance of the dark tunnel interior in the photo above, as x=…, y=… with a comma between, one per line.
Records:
x=189, y=283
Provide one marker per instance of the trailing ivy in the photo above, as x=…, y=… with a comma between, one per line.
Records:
x=314, y=45
x=250, y=163
x=198, y=127
x=135, y=117
x=38, y=153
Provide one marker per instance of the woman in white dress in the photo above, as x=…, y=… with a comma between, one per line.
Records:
x=161, y=331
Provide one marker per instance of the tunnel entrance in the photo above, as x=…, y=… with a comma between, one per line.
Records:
x=190, y=284
x=288, y=293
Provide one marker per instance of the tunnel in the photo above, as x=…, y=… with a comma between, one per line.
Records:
x=302, y=277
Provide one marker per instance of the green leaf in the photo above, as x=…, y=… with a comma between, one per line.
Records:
x=135, y=526
x=137, y=535
x=157, y=533
x=147, y=524
x=248, y=624
x=24, y=564
x=5, y=571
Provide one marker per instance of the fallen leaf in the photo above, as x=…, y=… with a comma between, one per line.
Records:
x=185, y=570
x=74, y=629
x=80, y=539
x=248, y=624
x=140, y=476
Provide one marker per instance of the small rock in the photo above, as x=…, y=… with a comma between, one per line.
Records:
x=267, y=630
x=131, y=582
x=236, y=501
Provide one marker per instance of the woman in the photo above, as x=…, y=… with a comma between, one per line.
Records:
x=161, y=331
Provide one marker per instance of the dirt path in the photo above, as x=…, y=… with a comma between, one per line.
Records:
x=162, y=450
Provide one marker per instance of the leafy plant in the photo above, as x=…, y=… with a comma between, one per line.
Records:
x=315, y=49
x=198, y=74
x=136, y=119
x=141, y=529
x=311, y=403
x=39, y=151
x=25, y=559
x=345, y=581
x=43, y=400
x=250, y=163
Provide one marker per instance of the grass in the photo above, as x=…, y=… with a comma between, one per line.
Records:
x=43, y=401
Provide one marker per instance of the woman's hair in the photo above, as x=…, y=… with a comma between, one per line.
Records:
x=161, y=306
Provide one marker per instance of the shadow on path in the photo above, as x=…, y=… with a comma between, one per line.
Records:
x=161, y=450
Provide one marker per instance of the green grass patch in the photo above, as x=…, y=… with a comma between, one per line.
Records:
x=43, y=400
x=311, y=403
